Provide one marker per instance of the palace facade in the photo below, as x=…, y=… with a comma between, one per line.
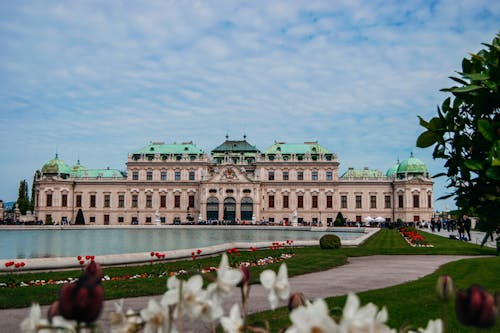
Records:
x=236, y=182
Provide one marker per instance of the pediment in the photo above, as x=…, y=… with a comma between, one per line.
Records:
x=228, y=174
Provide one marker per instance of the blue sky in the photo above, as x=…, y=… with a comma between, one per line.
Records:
x=96, y=80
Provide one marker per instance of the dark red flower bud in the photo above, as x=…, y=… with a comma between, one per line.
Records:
x=53, y=310
x=245, y=279
x=476, y=307
x=296, y=300
x=444, y=288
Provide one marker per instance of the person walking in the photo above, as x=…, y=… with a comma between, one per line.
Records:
x=467, y=226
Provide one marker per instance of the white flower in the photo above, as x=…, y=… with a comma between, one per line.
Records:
x=363, y=319
x=34, y=321
x=433, y=326
x=233, y=323
x=227, y=279
x=171, y=297
x=278, y=285
x=156, y=318
x=207, y=307
x=312, y=318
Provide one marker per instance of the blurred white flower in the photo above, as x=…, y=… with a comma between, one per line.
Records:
x=233, y=323
x=171, y=297
x=227, y=279
x=207, y=307
x=156, y=318
x=312, y=318
x=278, y=285
x=34, y=321
x=363, y=319
x=433, y=326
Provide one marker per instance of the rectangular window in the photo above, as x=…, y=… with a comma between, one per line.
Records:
x=135, y=175
x=49, y=200
x=149, y=201
x=329, y=175
x=314, y=201
x=300, y=201
x=177, y=201
x=285, y=175
x=314, y=175
x=78, y=200
x=191, y=175
x=106, y=219
x=163, y=219
x=120, y=219
x=135, y=199
x=92, y=219
x=285, y=201
x=163, y=175
x=92, y=200
x=373, y=201
x=121, y=201
x=64, y=200
x=271, y=175
x=387, y=201
x=149, y=175
x=148, y=219
x=191, y=201
x=358, y=201
x=271, y=201
x=400, y=201
x=343, y=201
x=329, y=201
x=300, y=175
x=163, y=201
x=177, y=175
x=416, y=201
x=429, y=201
x=107, y=200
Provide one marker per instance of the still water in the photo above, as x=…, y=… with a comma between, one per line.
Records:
x=67, y=243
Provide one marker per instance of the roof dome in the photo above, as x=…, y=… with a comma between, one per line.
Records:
x=392, y=170
x=78, y=167
x=412, y=165
x=56, y=166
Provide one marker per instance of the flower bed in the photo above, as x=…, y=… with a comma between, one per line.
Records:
x=413, y=238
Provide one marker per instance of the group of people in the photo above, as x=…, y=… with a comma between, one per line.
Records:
x=462, y=225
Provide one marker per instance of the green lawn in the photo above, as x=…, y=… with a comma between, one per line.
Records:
x=306, y=260
x=413, y=302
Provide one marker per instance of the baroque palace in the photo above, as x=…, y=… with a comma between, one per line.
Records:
x=237, y=182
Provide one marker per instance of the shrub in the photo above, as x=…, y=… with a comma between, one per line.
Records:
x=329, y=241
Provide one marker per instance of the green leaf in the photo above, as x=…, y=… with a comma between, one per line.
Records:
x=495, y=162
x=468, y=88
x=423, y=123
x=486, y=129
x=459, y=80
x=441, y=174
x=427, y=139
x=446, y=196
x=493, y=173
x=477, y=76
x=435, y=124
x=473, y=165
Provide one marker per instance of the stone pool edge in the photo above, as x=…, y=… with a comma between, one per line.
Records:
x=34, y=264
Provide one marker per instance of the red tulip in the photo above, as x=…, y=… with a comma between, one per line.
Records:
x=83, y=300
x=199, y=251
x=476, y=307
x=79, y=258
x=152, y=254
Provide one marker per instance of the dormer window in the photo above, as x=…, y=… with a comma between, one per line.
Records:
x=152, y=149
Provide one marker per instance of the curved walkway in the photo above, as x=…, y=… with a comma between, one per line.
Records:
x=360, y=274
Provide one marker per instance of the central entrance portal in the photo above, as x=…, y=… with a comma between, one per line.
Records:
x=246, y=209
x=229, y=209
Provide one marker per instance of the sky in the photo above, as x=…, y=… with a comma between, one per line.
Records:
x=96, y=80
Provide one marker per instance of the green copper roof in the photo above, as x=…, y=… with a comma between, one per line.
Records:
x=297, y=148
x=77, y=167
x=56, y=166
x=412, y=165
x=362, y=173
x=392, y=170
x=174, y=148
x=235, y=146
x=94, y=173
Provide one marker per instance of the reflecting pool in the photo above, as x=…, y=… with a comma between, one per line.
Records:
x=72, y=242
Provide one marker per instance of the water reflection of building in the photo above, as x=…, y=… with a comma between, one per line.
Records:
x=236, y=182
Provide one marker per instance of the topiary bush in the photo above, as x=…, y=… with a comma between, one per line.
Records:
x=330, y=241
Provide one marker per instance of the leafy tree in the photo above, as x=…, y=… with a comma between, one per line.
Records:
x=339, y=220
x=466, y=134
x=79, y=217
x=23, y=200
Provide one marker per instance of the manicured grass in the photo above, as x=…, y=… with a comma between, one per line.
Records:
x=414, y=302
x=306, y=260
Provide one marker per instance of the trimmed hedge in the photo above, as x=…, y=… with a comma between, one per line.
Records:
x=330, y=241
